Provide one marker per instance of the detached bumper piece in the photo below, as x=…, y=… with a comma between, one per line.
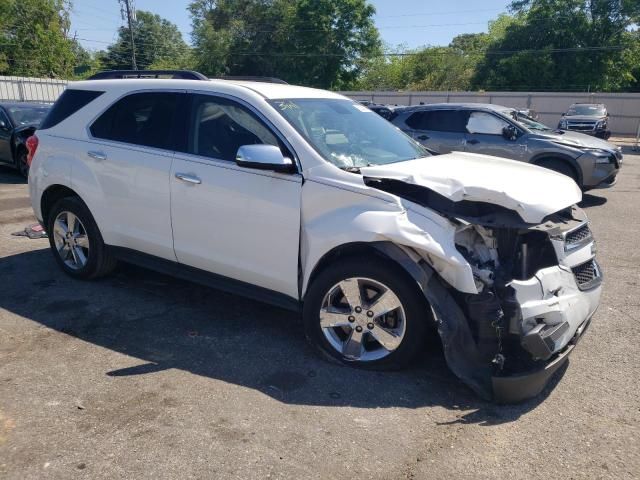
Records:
x=521, y=387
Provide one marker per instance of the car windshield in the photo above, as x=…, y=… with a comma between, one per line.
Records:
x=27, y=114
x=526, y=121
x=597, y=110
x=348, y=134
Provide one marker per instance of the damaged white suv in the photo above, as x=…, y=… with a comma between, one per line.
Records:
x=308, y=200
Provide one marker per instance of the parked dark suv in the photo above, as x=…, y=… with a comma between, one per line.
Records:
x=588, y=118
x=18, y=121
x=504, y=132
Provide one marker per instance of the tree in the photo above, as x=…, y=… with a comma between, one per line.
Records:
x=158, y=43
x=561, y=45
x=427, y=68
x=33, y=38
x=311, y=42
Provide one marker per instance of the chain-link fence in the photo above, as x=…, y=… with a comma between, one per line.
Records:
x=28, y=89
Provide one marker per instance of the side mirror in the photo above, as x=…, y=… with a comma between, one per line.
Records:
x=510, y=132
x=264, y=157
x=3, y=125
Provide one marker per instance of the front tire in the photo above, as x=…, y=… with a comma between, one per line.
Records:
x=562, y=167
x=76, y=242
x=367, y=313
x=23, y=166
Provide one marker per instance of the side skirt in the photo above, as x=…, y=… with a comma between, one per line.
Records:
x=196, y=275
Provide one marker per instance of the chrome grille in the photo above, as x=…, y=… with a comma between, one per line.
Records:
x=581, y=125
x=587, y=274
x=577, y=237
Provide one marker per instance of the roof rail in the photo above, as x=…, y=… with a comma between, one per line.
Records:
x=251, y=79
x=175, y=74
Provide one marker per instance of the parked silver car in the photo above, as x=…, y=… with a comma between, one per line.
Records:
x=504, y=132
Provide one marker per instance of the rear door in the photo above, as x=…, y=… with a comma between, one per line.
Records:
x=130, y=156
x=441, y=130
x=237, y=222
x=484, y=134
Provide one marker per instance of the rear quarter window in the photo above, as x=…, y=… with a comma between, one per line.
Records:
x=67, y=104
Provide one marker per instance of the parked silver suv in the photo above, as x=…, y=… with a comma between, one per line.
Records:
x=505, y=132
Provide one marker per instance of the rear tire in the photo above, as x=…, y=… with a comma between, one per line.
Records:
x=383, y=324
x=562, y=167
x=76, y=242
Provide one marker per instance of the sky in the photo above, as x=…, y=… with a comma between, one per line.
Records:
x=411, y=23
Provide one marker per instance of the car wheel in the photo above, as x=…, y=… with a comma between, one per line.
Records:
x=23, y=166
x=367, y=313
x=76, y=242
x=562, y=167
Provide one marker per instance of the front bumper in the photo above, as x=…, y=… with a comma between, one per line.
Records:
x=521, y=387
x=598, y=175
x=555, y=313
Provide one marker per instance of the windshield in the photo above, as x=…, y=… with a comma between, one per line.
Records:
x=526, y=121
x=348, y=134
x=596, y=110
x=27, y=114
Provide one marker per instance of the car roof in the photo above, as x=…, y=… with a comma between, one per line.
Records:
x=456, y=106
x=594, y=104
x=265, y=89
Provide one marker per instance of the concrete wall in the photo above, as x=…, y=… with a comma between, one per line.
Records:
x=26, y=89
x=623, y=107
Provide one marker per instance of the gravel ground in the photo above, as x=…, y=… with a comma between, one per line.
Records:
x=143, y=376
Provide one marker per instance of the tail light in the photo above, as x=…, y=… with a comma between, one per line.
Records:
x=32, y=146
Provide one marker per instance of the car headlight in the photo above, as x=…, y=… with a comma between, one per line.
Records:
x=602, y=155
x=601, y=124
x=562, y=125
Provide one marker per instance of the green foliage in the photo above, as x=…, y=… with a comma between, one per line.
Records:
x=428, y=68
x=33, y=38
x=158, y=43
x=310, y=42
x=541, y=27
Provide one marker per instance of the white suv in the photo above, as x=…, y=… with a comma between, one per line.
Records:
x=308, y=200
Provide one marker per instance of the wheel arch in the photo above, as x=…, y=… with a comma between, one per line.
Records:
x=546, y=157
x=384, y=250
x=51, y=195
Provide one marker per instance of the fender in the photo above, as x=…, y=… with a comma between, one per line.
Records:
x=327, y=209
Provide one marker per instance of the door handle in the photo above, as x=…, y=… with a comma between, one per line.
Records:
x=97, y=155
x=423, y=137
x=473, y=141
x=185, y=177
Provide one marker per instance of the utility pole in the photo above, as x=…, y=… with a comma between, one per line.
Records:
x=131, y=15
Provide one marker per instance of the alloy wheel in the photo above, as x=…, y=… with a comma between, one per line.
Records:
x=71, y=240
x=362, y=319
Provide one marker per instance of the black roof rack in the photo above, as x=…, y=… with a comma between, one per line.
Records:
x=175, y=74
x=252, y=79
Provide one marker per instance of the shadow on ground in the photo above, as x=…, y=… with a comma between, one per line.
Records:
x=589, y=200
x=169, y=323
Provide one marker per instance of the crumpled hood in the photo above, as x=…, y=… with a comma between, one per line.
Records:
x=533, y=192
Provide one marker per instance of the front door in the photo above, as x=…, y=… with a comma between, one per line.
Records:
x=236, y=222
x=485, y=135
